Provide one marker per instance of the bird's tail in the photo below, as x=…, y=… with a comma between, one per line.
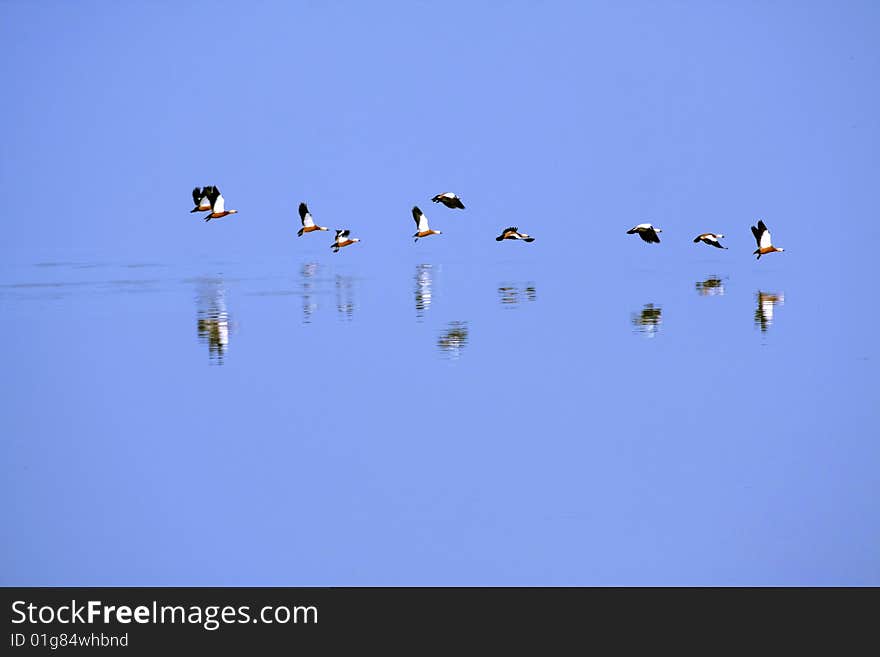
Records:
x=299, y=233
x=529, y=239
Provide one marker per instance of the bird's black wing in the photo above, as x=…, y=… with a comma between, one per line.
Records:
x=756, y=231
x=212, y=193
x=650, y=236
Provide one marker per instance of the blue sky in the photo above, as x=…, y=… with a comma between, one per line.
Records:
x=710, y=454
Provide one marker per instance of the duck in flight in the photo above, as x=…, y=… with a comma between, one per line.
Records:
x=308, y=224
x=512, y=233
x=762, y=237
x=449, y=199
x=423, y=230
x=647, y=232
x=343, y=239
x=218, y=205
x=200, y=198
x=711, y=239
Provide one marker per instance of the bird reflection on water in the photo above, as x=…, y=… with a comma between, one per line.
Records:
x=309, y=306
x=764, y=312
x=511, y=294
x=711, y=287
x=213, y=319
x=424, y=281
x=345, y=296
x=647, y=322
x=454, y=339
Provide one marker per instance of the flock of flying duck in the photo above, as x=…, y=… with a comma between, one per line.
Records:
x=209, y=199
x=762, y=236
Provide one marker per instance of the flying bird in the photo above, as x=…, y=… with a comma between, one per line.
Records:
x=762, y=237
x=308, y=224
x=512, y=233
x=711, y=239
x=200, y=198
x=343, y=239
x=647, y=232
x=218, y=205
x=422, y=225
x=449, y=199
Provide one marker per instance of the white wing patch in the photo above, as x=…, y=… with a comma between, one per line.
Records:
x=448, y=195
x=220, y=204
x=307, y=220
x=765, y=240
x=643, y=227
x=423, y=223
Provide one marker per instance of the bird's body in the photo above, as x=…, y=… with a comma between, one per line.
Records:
x=449, y=199
x=201, y=200
x=423, y=230
x=512, y=233
x=711, y=239
x=647, y=232
x=343, y=239
x=218, y=205
x=762, y=237
x=308, y=224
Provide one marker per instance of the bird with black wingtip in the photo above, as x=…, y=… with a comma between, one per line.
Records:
x=449, y=199
x=308, y=224
x=423, y=229
x=762, y=237
x=647, y=232
x=343, y=239
x=512, y=233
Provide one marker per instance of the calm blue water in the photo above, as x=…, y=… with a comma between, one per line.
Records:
x=224, y=403
x=510, y=421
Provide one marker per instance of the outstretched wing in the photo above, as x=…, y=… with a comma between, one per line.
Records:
x=758, y=231
x=197, y=195
x=649, y=235
x=212, y=193
x=764, y=242
x=420, y=219
x=305, y=216
x=219, y=204
x=342, y=234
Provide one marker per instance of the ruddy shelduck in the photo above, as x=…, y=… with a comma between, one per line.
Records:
x=647, y=232
x=218, y=205
x=762, y=237
x=512, y=233
x=711, y=239
x=343, y=239
x=423, y=230
x=308, y=224
x=449, y=199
